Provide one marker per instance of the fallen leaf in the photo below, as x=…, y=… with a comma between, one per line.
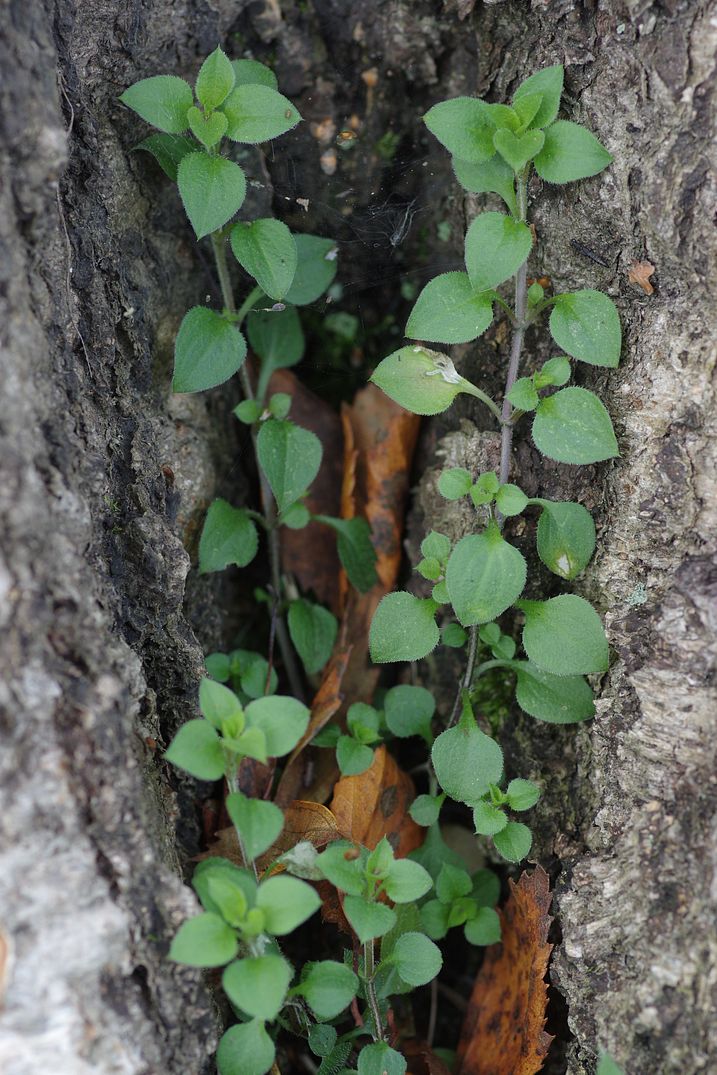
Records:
x=303, y=820
x=640, y=273
x=375, y=804
x=504, y=1033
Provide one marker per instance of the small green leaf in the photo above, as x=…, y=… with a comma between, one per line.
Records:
x=162, y=101
x=317, y=265
x=277, y=338
x=429, y=569
x=208, y=129
x=343, y=866
x=266, y=249
x=555, y=699
x=573, y=426
x=290, y=458
x=523, y=395
x=421, y=380
x=380, y=1059
x=484, y=929
x=368, y=919
x=452, y=883
x=570, y=152
x=488, y=819
x=453, y=636
x=496, y=246
x=212, y=189
x=355, y=549
x=406, y=881
x=522, y=794
x=196, y=748
x=280, y=405
x=228, y=537
x=464, y=126
x=607, y=1066
x=526, y=108
x=249, y=411
x=517, y=150
x=565, y=537
x=328, y=987
x=549, y=84
x=403, y=629
x=486, y=888
x=231, y=877
x=246, y=1049
x=296, y=516
x=514, y=841
x=283, y=720
x=322, y=1038
x=409, y=711
x=253, y=73
x=219, y=704
x=467, y=761
x=439, y=593
x=436, y=545
x=259, y=823
x=485, y=576
x=491, y=177
x=352, y=757
x=425, y=809
x=510, y=500
x=450, y=310
x=564, y=636
x=204, y=941
x=313, y=631
x=215, y=80
x=434, y=919
x=434, y=852
x=258, y=113
x=556, y=371
x=217, y=666
x=455, y=483
x=207, y=352
x=417, y=959
x=587, y=326
x=286, y=903
x=258, y=985
x=168, y=150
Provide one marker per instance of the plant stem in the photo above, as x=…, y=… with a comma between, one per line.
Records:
x=368, y=969
x=234, y=786
x=267, y=499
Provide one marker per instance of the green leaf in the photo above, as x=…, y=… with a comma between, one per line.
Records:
x=523, y=395
x=317, y=265
x=517, y=150
x=249, y=411
x=343, y=867
x=439, y=593
x=280, y=404
x=355, y=549
x=328, y=987
x=196, y=748
x=258, y=985
x=253, y=73
x=434, y=852
x=409, y=711
x=434, y=919
x=283, y=721
x=467, y=761
x=436, y=545
x=290, y=458
x=207, y=352
x=486, y=888
x=425, y=809
x=555, y=371
x=363, y=722
x=564, y=636
x=322, y=1039
x=313, y=631
x=212, y=189
x=607, y=1066
x=168, y=150
x=430, y=569
x=587, y=326
x=565, y=537
x=491, y=177
x=208, y=129
x=453, y=635
x=570, y=152
x=549, y=84
x=556, y=699
x=522, y=794
x=162, y=101
x=228, y=537
x=215, y=80
x=352, y=757
x=421, y=380
x=219, y=704
x=217, y=666
x=259, y=823
x=368, y=919
x=452, y=883
x=258, y=113
x=496, y=246
x=485, y=576
x=406, y=881
x=573, y=426
x=222, y=886
x=464, y=126
x=455, y=483
x=286, y=903
x=276, y=336
x=246, y=1049
x=296, y=516
x=514, y=841
x=403, y=629
x=450, y=310
x=417, y=959
x=484, y=929
x=526, y=108
x=488, y=819
x=266, y=249
x=204, y=941
x=510, y=500
x=250, y=744
x=380, y=1059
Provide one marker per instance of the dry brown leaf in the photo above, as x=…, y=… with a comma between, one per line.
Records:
x=504, y=1033
x=375, y=804
x=640, y=273
x=303, y=820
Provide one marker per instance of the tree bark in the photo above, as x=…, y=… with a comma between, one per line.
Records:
x=105, y=477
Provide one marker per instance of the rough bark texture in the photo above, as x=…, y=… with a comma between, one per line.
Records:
x=105, y=476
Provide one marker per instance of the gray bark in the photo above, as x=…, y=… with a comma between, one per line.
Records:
x=105, y=477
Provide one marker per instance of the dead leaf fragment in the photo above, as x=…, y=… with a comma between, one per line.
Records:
x=640, y=273
x=504, y=1033
x=375, y=804
x=303, y=820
